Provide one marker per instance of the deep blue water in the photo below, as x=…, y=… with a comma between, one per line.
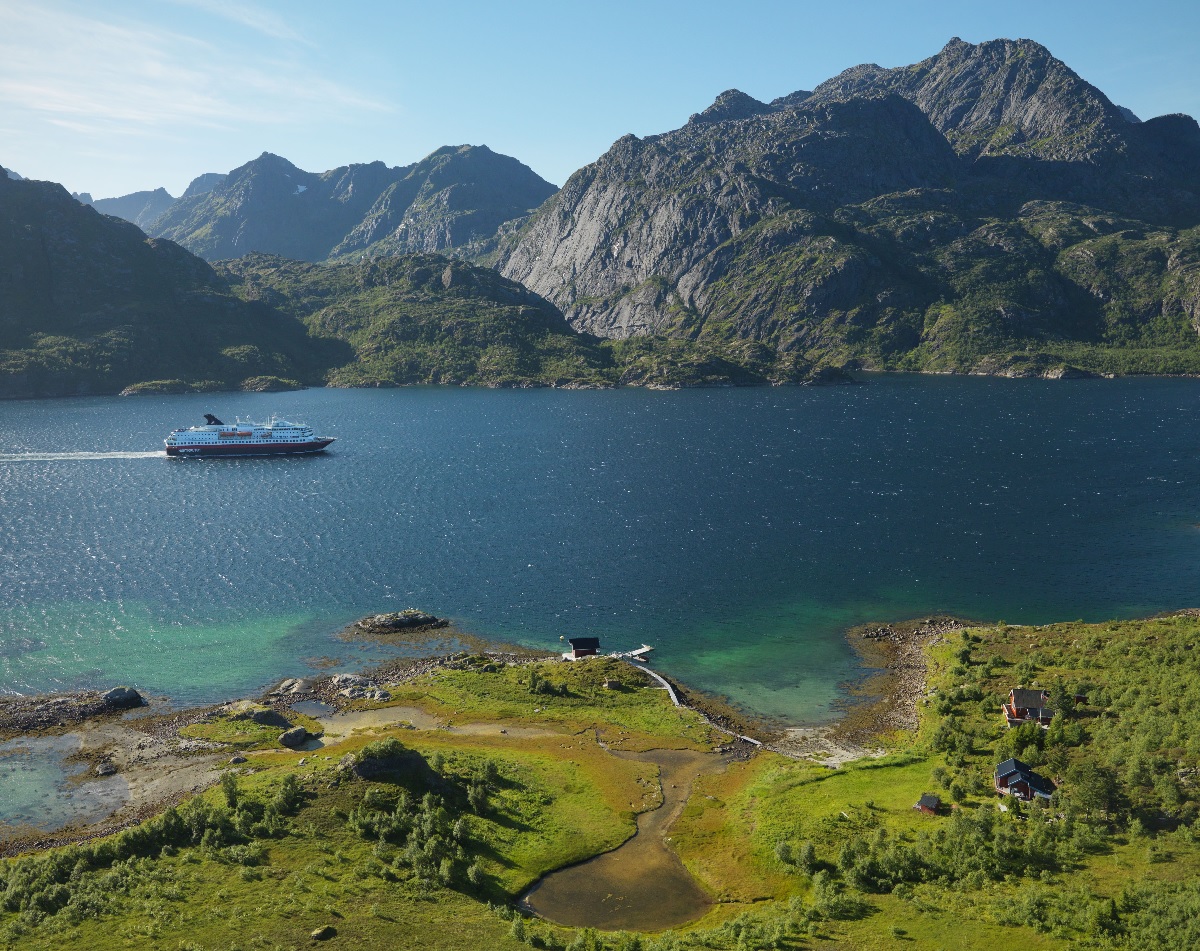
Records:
x=738, y=531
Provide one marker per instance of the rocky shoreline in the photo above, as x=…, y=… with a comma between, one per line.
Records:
x=23, y=715
x=889, y=698
x=885, y=702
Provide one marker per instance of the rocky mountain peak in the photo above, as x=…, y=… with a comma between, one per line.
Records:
x=1001, y=97
x=459, y=194
x=791, y=100
x=141, y=208
x=732, y=104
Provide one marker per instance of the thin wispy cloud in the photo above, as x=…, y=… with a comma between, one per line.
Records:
x=248, y=15
x=131, y=77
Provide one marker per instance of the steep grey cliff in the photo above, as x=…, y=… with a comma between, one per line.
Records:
x=632, y=242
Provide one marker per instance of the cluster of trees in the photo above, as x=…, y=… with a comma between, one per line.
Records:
x=1129, y=754
x=430, y=837
x=432, y=840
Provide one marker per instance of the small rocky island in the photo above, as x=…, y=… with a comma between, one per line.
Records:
x=410, y=619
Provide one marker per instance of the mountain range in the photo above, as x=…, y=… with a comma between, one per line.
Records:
x=90, y=305
x=455, y=198
x=985, y=210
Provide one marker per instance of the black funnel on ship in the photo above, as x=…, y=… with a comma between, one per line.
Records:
x=212, y=420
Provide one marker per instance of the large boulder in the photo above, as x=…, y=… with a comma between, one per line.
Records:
x=386, y=757
x=294, y=738
x=123, y=698
x=294, y=685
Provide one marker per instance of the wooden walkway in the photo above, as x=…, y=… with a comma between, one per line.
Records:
x=675, y=700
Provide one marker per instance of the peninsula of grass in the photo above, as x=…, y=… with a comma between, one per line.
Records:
x=614, y=701
x=428, y=838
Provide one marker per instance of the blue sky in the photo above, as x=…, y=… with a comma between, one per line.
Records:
x=123, y=95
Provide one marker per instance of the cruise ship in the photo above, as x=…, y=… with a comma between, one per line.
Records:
x=275, y=437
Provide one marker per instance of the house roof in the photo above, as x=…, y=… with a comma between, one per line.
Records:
x=1012, y=766
x=1035, y=782
x=1040, y=784
x=584, y=643
x=929, y=801
x=1022, y=697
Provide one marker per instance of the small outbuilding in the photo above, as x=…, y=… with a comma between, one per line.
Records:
x=929, y=804
x=583, y=647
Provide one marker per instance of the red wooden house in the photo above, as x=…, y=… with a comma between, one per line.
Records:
x=1016, y=779
x=1024, y=706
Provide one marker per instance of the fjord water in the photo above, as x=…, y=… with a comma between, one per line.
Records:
x=738, y=531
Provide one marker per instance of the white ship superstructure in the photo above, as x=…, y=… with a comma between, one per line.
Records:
x=275, y=437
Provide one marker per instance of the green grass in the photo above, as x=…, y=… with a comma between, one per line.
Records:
x=243, y=733
x=636, y=715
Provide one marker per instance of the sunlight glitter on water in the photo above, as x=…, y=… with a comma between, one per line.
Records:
x=738, y=531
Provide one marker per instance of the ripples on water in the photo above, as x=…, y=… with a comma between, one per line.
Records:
x=739, y=531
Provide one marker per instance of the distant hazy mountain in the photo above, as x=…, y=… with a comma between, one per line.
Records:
x=13, y=175
x=145, y=207
x=452, y=198
x=141, y=208
x=89, y=305
x=985, y=209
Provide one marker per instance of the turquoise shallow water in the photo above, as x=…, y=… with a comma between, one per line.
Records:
x=738, y=531
x=42, y=790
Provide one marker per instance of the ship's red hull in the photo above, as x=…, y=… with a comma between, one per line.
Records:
x=254, y=449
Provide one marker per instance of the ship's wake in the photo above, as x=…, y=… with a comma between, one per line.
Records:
x=75, y=456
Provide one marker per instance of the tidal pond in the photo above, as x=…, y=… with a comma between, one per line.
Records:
x=641, y=885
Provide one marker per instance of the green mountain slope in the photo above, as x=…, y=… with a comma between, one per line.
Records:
x=422, y=319
x=89, y=305
x=429, y=319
